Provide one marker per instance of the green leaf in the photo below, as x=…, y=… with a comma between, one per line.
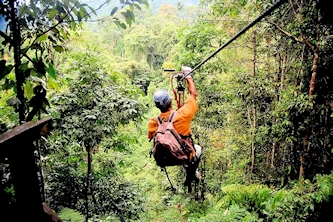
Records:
x=37, y=79
x=52, y=72
x=137, y=6
x=131, y=15
x=114, y=10
x=59, y=48
x=53, y=84
x=4, y=70
x=8, y=85
x=52, y=13
x=63, y=33
x=84, y=13
x=32, y=72
x=28, y=90
x=42, y=38
x=129, y=21
x=122, y=25
x=124, y=14
x=92, y=10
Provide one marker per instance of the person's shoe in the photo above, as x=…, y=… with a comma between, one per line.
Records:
x=197, y=176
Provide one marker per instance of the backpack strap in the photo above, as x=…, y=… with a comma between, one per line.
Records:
x=172, y=116
x=159, y=120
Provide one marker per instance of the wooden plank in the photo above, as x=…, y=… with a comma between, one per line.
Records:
x=25, y=180
x=17, y=145
x=29, y=131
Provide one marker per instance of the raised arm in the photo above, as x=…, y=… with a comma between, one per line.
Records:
x=191, y=87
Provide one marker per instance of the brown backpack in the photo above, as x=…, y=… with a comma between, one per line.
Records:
x=169, y=148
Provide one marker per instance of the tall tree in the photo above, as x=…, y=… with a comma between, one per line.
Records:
x=91, y=109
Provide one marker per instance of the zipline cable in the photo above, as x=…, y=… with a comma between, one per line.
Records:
x=276, y=5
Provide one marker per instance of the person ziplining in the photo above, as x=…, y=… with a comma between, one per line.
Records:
x=173, y=143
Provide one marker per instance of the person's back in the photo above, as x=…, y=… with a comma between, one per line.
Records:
x=182, y=122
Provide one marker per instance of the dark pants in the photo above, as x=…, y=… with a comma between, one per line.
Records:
x=192, y=167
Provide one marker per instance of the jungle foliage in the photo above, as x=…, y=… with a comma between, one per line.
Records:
x=264, y=118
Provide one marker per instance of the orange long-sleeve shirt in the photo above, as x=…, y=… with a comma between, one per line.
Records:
x=182, y=121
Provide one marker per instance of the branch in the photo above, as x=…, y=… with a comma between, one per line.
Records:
x=287, y=33
x=60, y=21
x=6, y=37
x=97, y=20
x=95, y=10
x=306, y=41
x=292, y=7
x=225, y=20
x=25, y=55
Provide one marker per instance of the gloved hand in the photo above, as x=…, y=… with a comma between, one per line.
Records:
x=186, y=70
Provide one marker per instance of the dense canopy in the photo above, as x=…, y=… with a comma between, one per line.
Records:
x=265, y=117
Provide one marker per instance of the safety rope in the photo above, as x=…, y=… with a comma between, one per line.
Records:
x=276, y=5
x=166, y=172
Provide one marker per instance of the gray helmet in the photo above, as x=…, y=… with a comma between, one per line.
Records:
x=162, y=99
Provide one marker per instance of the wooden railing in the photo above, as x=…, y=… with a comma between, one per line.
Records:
x=17, y=145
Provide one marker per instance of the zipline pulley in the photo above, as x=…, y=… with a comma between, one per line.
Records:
x=179, y=90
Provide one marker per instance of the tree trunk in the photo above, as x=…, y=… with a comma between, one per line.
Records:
x=302, y=159
x=283, y=73
x=16, y=32
x=314, y=74
x=267, y=157
x=273, y=154
x=315, y=57
x=88, y=188
x=278, y=98
x=253, y=154
x=268, y=44
x=306, y=142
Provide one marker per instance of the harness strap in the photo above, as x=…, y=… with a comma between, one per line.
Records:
x=159, y=120
x=172, y=116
